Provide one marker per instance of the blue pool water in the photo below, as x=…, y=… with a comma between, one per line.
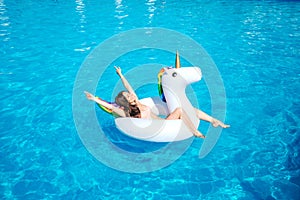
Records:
x=256, y=47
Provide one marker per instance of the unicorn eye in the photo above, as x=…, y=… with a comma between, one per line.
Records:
x=174, y=74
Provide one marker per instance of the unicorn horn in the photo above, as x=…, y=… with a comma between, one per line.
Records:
x=177, y=61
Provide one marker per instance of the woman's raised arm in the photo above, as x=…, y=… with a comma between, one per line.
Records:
x=125, y=82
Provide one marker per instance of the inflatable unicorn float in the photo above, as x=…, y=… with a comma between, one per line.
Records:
x=172, y=85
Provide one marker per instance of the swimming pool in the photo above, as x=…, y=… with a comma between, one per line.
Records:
x=255, y=46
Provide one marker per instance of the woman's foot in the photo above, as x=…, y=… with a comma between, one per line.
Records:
x=217, y=123
x=199, y=135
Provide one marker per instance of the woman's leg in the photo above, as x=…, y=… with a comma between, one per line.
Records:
x=176, y=114
x=203, y=116
x=179, y=113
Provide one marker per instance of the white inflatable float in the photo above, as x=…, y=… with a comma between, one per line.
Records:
x=173, y=83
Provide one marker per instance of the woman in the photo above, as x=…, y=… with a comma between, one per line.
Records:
x=127, y=104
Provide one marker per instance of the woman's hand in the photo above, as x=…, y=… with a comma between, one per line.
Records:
x=118, y=70
x=89, y=96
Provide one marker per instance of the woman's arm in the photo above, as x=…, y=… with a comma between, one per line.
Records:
x=124, y=81
x=115, y=110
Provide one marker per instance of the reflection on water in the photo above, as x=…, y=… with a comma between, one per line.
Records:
x=151, y=9
x=4, y=22
x=80, y=9
x=121, y=13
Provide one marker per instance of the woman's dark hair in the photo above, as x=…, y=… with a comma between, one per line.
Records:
x=131, y=110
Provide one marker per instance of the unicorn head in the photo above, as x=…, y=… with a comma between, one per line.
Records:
x=176, y=79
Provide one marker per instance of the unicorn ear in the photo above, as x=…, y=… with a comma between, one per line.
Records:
x=177, y=60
